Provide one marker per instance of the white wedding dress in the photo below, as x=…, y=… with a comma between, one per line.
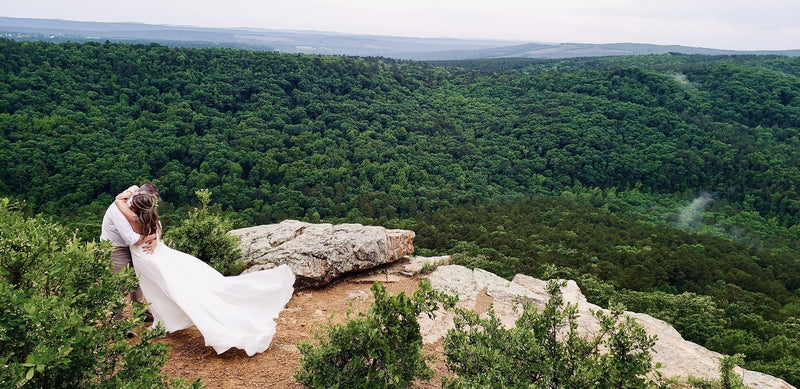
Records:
x=236, y=311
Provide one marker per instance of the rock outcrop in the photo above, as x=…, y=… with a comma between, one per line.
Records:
x=477, y=288
x=319, y=253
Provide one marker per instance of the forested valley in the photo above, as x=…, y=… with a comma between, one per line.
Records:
x=666, y=182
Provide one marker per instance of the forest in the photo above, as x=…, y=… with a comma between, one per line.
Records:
x=668, y=183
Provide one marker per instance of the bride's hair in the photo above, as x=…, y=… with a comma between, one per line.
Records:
x=146, y=209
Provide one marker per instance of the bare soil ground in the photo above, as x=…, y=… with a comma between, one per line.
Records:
x=308, y=309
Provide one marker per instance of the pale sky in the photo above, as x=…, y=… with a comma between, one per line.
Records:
x=719, y=24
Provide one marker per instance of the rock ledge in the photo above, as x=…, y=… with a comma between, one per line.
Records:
x=319, y=253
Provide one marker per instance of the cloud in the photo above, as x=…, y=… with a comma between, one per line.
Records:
x=691, y=215
x=766, y=14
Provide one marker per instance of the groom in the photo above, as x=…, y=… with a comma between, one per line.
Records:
x=119, y=232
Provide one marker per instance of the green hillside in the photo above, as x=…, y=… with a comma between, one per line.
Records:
x=591, y=165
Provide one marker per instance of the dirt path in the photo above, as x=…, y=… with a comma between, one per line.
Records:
x=306, y=311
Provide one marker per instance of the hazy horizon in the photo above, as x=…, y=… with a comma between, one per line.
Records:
x=728, y=25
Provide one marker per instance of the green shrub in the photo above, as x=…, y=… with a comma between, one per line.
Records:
x=382, y=349
x=204, y=234
x=56, y=328
x=543, y=350
x=728, y=378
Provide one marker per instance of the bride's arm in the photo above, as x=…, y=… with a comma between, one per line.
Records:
x=121, y=202
x=128, y=193
x=126, y=210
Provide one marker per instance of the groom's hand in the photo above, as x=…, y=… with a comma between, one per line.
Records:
x=150, y=244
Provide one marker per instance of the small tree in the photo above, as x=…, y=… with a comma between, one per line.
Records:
x=544, y=350
x=382, y=349
x=56, y=325
x=204, y=234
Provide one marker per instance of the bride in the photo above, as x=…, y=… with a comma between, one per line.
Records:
x=182, y=290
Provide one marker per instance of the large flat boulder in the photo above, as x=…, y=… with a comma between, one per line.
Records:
x=319, y=253
x=678, y=357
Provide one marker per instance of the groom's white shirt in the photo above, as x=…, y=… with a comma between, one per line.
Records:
x=117, y=229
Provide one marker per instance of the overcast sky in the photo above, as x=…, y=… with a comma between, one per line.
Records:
x=720, y=24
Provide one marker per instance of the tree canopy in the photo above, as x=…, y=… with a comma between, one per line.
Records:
x=509, y=164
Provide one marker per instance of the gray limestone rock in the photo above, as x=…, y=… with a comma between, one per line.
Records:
x=319, y=253
x=679, y=358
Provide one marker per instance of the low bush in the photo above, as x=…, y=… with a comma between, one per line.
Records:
x=204, y=234
x=56, y=325
x=380, y=349
x=544, y=350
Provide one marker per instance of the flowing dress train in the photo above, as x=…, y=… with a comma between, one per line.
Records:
x=237, y=311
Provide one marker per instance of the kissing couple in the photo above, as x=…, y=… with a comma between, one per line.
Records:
x=181, y=290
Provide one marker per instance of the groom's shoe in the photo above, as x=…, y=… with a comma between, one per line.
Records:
x=148, y=317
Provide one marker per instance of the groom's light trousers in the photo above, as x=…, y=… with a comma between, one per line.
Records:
x=121, y=257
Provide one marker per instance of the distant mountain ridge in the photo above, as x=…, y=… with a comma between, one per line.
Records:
x=331, y=43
